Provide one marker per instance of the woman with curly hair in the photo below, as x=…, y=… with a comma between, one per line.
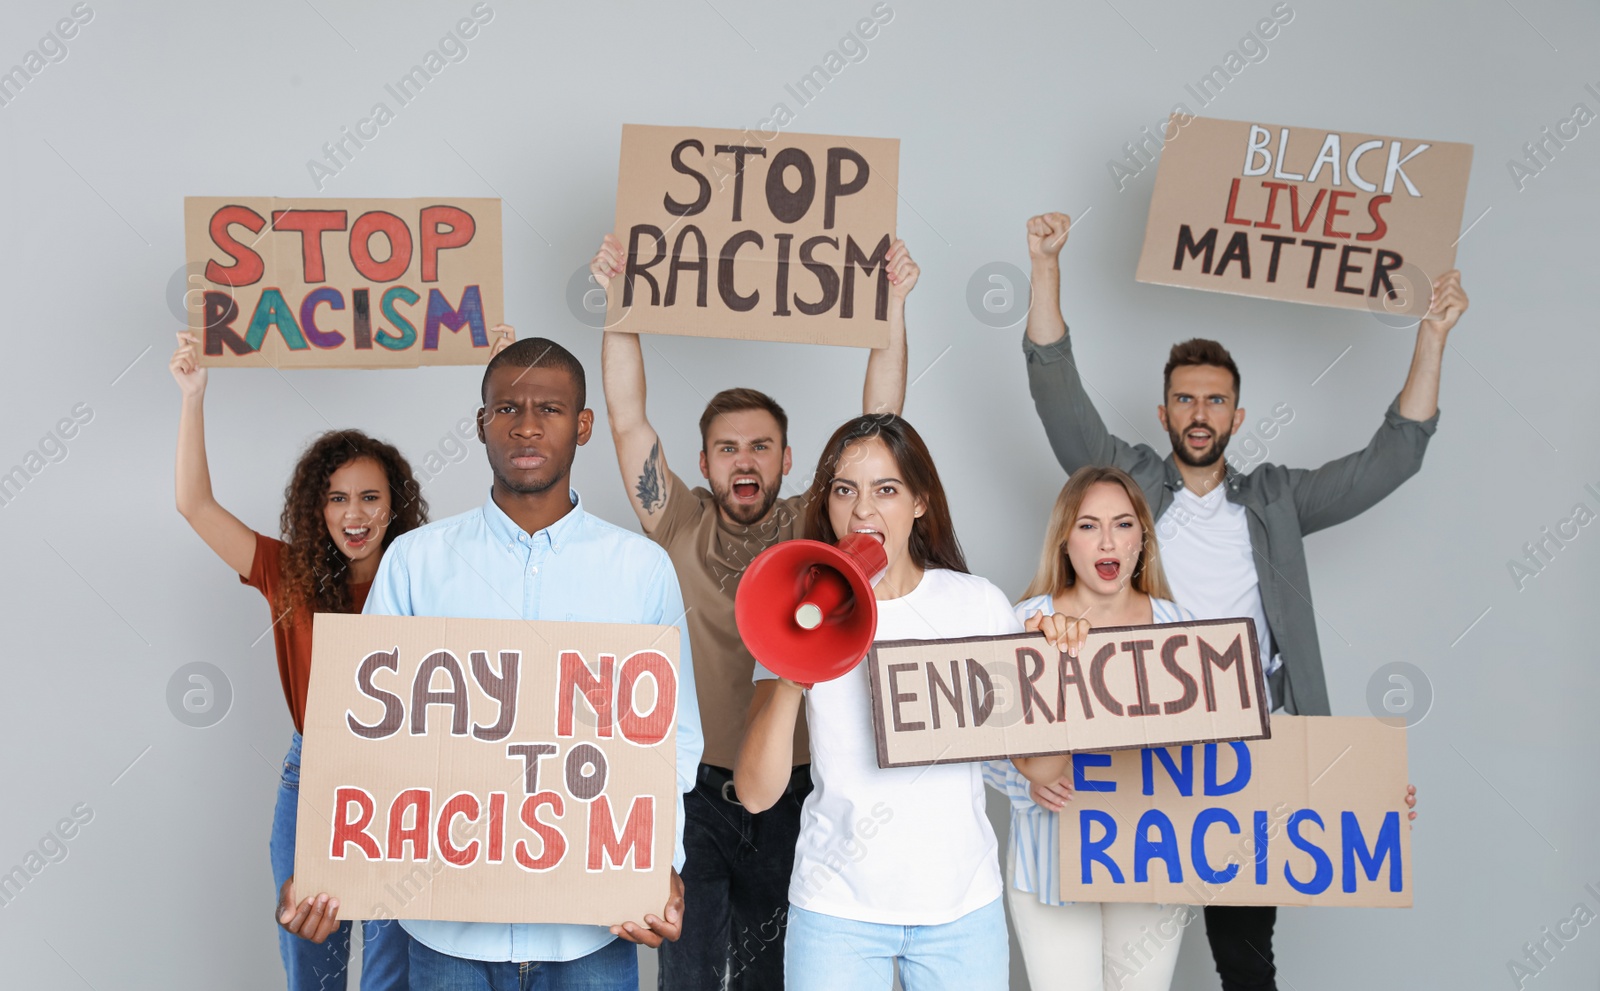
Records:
x=349, y=497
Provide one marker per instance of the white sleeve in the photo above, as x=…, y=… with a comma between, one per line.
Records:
x=1003, y=617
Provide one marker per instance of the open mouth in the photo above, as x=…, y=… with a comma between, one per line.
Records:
x=746, y=488
x=356, y=537
x=1108, y=568
x=870, y=532
x=1198, y=438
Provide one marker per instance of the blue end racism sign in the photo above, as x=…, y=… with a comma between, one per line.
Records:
x=1314, y=816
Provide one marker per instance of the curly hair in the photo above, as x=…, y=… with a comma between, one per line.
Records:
x=313, y=567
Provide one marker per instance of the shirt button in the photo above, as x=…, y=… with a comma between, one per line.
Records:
x=534, y=570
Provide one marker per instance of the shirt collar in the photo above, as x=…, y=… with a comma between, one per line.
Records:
x=506, y=531
x=1231, y=478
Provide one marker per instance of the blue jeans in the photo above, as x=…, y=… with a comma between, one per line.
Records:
x=735, y=887
x=827, y=953
x=613, y=967
x=313, y=967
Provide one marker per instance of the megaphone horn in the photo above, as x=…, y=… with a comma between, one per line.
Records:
x=806, y=609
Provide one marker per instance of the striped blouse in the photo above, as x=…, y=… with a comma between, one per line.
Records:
x=1035, y=842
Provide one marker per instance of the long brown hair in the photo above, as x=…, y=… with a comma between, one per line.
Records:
x=1055, y=574
x=314, y=570
x=933, y=541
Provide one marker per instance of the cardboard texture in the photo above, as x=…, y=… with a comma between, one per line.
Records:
x=1327, y=793
x=730, y=237
x=981, y=698
x=343, y=283
x=1332, y=218
x=513, y=782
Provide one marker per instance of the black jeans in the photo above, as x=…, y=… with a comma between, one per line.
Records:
x=735, y=887
x=1241, y=945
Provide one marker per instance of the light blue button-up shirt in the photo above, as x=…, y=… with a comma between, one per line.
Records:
x=481, y=565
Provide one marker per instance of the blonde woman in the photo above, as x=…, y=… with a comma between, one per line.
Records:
x=1099, y=567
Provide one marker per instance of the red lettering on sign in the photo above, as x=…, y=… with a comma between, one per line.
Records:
x=574, y=675
x=553, y=845
x=647, y=730
x=419, y=802
x=609, y=848
x=460, y=804
x=247, y=267
x=346, y=832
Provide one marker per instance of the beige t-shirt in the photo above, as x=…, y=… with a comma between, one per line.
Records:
x=710, y=555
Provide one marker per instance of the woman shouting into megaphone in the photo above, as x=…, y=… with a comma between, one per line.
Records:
x=900, y=864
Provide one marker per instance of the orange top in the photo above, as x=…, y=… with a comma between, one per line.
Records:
x=291, y=631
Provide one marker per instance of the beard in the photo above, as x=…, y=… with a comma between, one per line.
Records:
x=745, y=515
x=1201, y=459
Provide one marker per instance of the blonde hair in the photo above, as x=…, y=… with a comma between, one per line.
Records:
x=1056, y=574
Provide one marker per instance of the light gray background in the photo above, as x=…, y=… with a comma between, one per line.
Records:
x=1003, y=112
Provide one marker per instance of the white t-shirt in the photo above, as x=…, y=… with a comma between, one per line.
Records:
x=908, y=845
x=1205, y=551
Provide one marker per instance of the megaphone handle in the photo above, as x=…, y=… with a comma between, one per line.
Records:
x=826, y=590
x=867, y=554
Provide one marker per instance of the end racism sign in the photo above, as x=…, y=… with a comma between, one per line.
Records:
x=1314, y=816
x=981, y=698
x=489, y=770
x=344, y=283
x=1333, y=218
x=725, y=238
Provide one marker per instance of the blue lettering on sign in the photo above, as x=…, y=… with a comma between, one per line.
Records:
x=1166, y=848
x=1093, y=851
x=1261, y=846
x=1324, y=874
x=1355, y=845
x=1182, y=777
x=1241, y=775
x=1081, y=783
x=1197, y=845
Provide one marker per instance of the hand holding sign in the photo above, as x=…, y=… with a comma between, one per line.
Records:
x=903, y=272
x=185, y=368
x=1449, y=302
x=1052, y=796
x=1065, y=633
x=504, y=336
x=657, y=928
x=316, y=917
x=607, y=262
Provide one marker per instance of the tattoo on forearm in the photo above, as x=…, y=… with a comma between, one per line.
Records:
x=649, y=490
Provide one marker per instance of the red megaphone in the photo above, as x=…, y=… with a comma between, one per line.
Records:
x=806, y=610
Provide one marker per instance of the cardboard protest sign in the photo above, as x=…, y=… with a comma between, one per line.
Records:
x=728, y=237
x=489, y=770
x=1302, y=214
x=1314, y=816
x=981, y=698
x=343, y=283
